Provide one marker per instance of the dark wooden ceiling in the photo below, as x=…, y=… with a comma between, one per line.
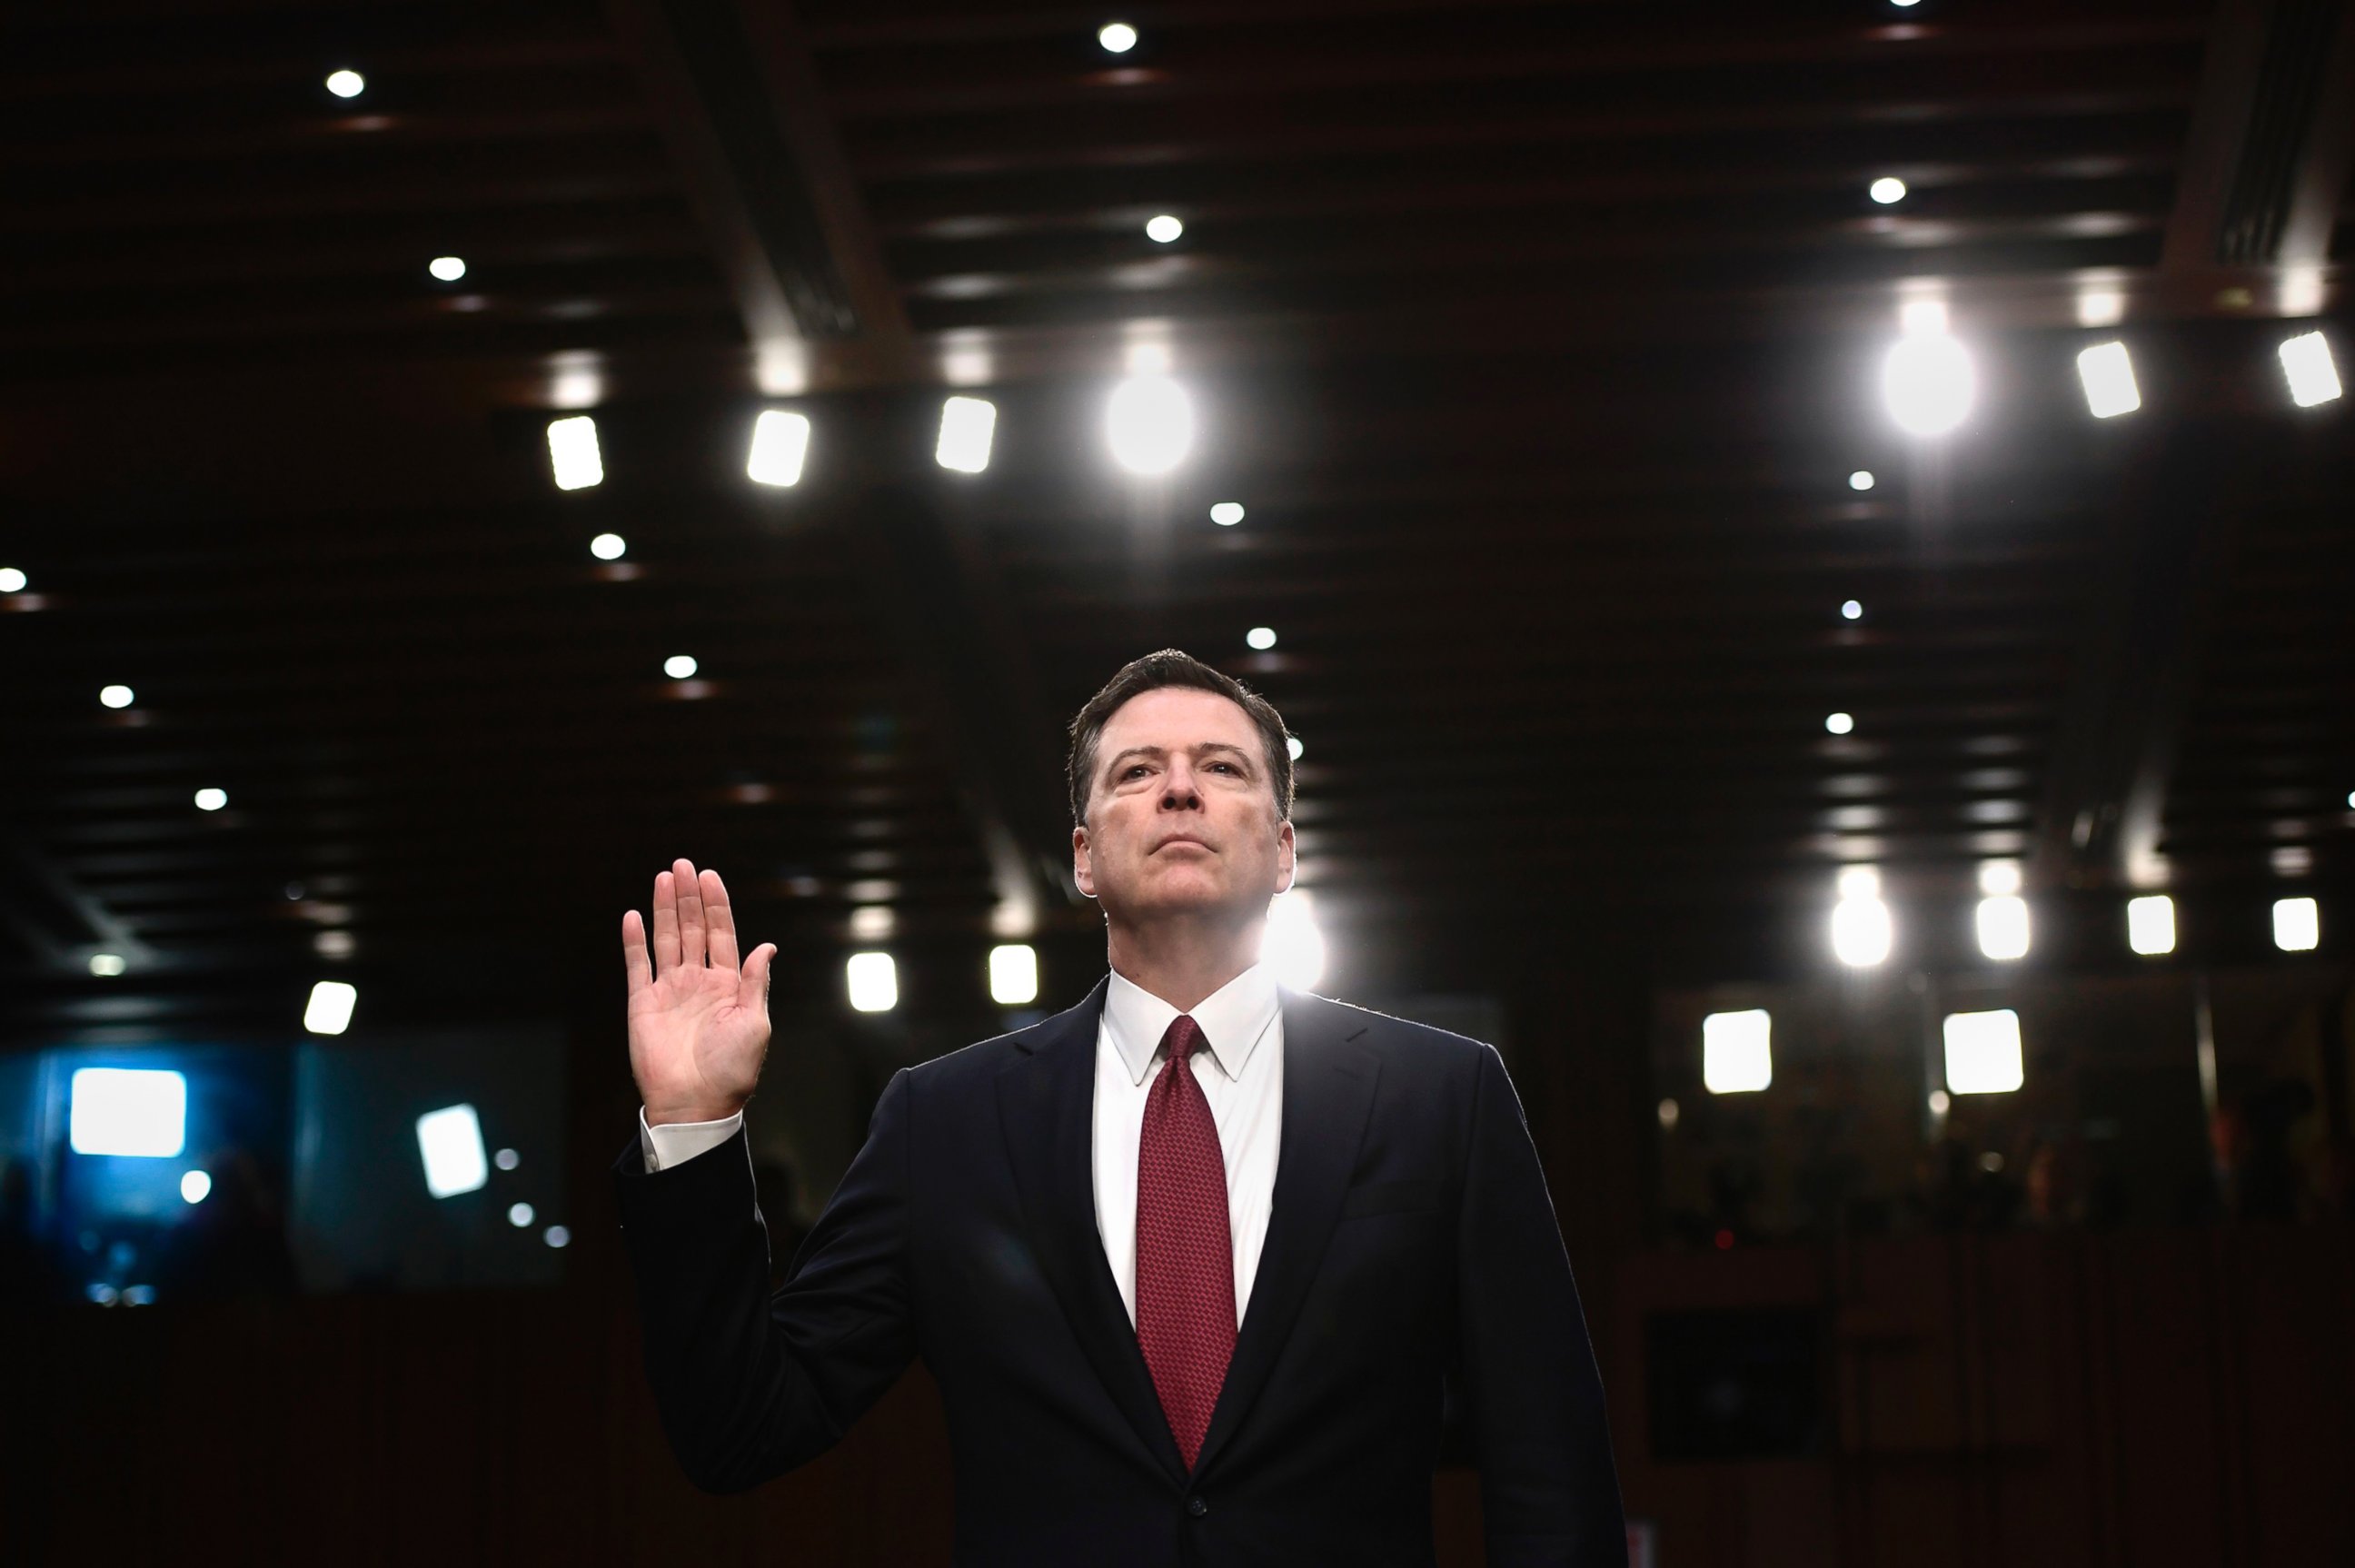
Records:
x=1539, y=341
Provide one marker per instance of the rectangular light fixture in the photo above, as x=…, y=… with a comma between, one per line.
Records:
x=450, y=1140
x=572, y=452
x=780, y=441
x=141, y=1111
x=2298, y=925
x=966, y=426
x=2003, y=926
x=1014, y=974
x=2313, y=377
x=1735, y=1054
x=330, y=1008
x=2150, y=924
x=874, y=982
x=2109, y=377
x=1983, y=1053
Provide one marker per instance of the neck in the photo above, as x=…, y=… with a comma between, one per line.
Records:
x=1183, y=961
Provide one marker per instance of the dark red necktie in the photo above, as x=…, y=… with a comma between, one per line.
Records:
x=1185, y=1256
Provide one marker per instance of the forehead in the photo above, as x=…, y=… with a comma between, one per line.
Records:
x=1176, y=718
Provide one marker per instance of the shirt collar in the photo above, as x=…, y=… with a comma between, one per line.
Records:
x=1233, y=1020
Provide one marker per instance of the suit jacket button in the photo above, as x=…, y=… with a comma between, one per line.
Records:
x=1197, y=1506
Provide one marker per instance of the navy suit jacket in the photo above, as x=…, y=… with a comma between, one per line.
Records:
x=1412, y=1239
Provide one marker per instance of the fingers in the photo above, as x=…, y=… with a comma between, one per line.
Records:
x=690, y=914
x=719, y=919
x=666, y=924
x=634, y=953
x=753, y=986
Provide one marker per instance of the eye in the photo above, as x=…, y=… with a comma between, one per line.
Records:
x=1133, y=770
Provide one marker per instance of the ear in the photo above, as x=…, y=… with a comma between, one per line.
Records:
x=1083, y=869
x=1284, y=856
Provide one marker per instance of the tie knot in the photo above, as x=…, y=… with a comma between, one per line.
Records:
x=1181, y=1037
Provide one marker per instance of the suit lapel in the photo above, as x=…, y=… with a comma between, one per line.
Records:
x=1046, y=1106
x=1328, y=1091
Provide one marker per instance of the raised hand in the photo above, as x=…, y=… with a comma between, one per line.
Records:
x=698, y=1025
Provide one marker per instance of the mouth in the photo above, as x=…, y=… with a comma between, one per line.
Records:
x=1180, y=839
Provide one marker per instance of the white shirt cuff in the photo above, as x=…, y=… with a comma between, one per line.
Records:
x=675, y=1143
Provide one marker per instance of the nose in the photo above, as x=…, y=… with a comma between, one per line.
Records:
x=1178, y=793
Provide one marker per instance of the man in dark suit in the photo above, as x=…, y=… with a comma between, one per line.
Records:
x=1190, y=1262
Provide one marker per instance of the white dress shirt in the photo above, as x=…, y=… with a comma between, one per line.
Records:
x=1243, y=1032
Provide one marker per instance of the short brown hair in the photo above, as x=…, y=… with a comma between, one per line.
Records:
x=1171, y=667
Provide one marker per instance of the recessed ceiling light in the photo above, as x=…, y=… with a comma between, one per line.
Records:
x=1888, y=191
x=448, y=269
x=1850, y=610
x=2313, y=378
x=211, y=799
x=115, y=696
x=2107, y=372
x=572, y=452
x=1162, y=229
x=1227, y=514
x=1293, y=748
x=107, y=966
x=329, y=1010
x=1150, y=424
x=11, y=580
x=1860, y=480
x=1117, y=37
x=1839, y=723
x=1261, y=637
x=679, y=667
x=519, y=1215
x=347, y=83
x=967, y=425
x=608, y=547
x=1929, y=382
x=779, y=445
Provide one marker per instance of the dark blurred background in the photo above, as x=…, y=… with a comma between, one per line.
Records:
x=1748, y=662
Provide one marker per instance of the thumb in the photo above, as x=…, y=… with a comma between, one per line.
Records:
x=752, y=986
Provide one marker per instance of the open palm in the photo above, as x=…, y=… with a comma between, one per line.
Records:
x=699, y=1023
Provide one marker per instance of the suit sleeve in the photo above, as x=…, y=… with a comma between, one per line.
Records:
x=752, y=1384
x=1549, y=1490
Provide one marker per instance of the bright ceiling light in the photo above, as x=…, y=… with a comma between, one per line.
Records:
x=2003, y=926
x=1860, y=480
x=874, y=982
x=1293, y=748
x=196, y=1186
x=1983, y=1053
x=2313, y=377
x=572, y=452
x=1014, y=974
x=107, y=966
x=1161, y=229
x=11, y=580
x=608, y=547
x=506, y=1159
x=1292, y=947
x=115, y=696
x=330, y=1008
x=2109, y=377
x=780, y=441
x=211, y=799
x=1888, y=191
x=1839, y=723
x=2297, y=924
x=1227, y=514
x=1999, y=879
x=139, y=1112
x=519, y=1215
x=1117, y=37
x=556, y=1236
x=448, y=269
x=450, y=1142
x=1928, y=382
x=1851, y=611
x=1735, y=1057
x=1261, y=637
x=1861, y=931
x=2150, y=924
x=347, y=83
x=874, y=923
x=680, y=666
x=966, y=426
x=1150, y=423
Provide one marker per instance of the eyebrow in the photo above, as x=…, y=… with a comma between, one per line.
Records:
x=1208, y=746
